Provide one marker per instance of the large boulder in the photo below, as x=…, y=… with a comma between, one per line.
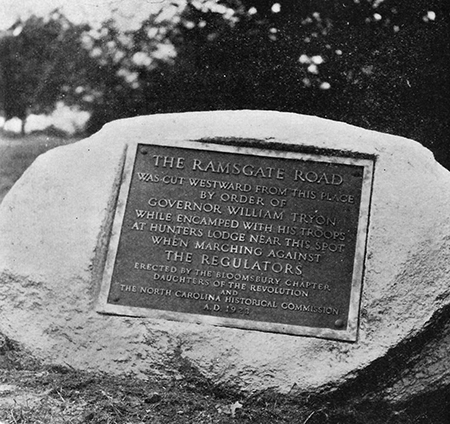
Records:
x=56, y=220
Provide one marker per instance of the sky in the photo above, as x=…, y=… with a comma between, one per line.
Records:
x=92, y=11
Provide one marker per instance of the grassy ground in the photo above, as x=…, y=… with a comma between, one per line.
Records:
x=31, y=393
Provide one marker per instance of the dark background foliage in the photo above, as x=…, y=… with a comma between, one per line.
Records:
x=381, y=65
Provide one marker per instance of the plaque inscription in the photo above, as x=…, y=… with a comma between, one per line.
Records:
x=242, y=237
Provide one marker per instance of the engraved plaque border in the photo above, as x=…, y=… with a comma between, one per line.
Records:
x=278, y=151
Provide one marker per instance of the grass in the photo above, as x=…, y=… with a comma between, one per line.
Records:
x=33, y=393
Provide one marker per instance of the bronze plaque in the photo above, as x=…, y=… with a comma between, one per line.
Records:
x=239, y=236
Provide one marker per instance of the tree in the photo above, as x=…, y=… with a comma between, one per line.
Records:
x=39, y=62
x=378, y=64
x=119, y=84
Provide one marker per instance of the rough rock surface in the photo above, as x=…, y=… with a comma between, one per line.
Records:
x=54, y=227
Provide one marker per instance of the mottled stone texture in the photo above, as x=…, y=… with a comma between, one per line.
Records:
x=54, y=227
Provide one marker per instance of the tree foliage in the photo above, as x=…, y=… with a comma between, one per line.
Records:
x=40, y=61
x=380, y=64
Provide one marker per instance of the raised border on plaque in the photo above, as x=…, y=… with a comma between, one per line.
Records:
x=284, y=152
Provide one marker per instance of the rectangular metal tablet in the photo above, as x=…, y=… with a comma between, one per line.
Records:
x=270, y=240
